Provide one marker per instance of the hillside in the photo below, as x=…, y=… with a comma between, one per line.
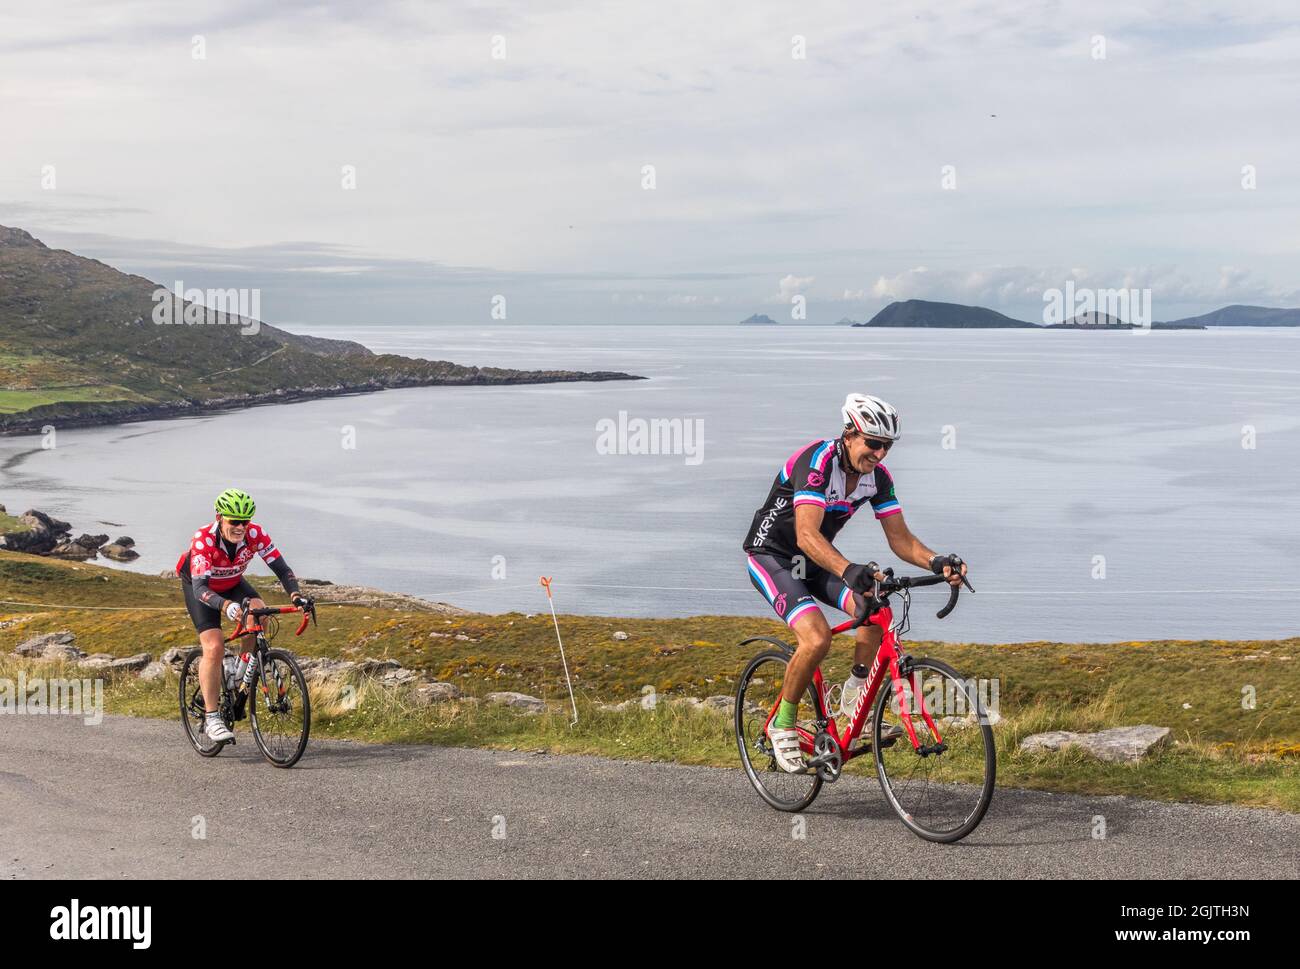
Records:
x=1238, y=315
x=78, y=344
x=920, y=312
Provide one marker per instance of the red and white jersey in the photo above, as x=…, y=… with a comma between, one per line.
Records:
x=207, y=556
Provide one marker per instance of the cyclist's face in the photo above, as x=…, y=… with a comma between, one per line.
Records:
x=865, y=452
x=232, y=530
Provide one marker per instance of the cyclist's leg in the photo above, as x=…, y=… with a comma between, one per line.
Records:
x=831, y=588
x=794, y=602
x=207, y=623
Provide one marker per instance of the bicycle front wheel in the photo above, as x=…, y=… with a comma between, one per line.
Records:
x=941, y=788
x=757, y=695
x=280, y=709
x=192, y=708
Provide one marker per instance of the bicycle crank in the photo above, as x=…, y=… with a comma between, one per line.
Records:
x=828, y=758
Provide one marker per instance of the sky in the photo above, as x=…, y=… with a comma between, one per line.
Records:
x=416, y=162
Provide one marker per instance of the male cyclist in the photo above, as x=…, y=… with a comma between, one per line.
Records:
x=214, y=564
x=793, y=564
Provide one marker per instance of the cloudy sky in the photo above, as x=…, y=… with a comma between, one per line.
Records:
x=796, y=149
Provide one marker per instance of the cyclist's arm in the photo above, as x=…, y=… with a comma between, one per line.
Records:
x=205, y=595
x=807, y=530
x=285, y=574
x=904, y=544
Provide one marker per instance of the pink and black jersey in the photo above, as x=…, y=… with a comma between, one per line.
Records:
x=814, y=475
x=209, y=556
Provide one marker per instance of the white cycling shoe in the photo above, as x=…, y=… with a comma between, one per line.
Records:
x=849, y=700
x=217, y=730
x=785, y=749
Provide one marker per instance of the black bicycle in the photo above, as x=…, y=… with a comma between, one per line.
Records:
x=269, y=689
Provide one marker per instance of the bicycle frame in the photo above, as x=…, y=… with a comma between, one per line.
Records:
x=887, y=660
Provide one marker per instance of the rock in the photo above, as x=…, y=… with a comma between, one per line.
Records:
x=377, y=667
x=727, y=703
x=1117, y=745
x=126, y=541
x=71, y=550
x=429, y=693
x=96, y=661
x=119, y=553
x=132, y=664
x=399, y=677
x=175, y=657
x=38, y=519
x=520, y=701
x=686, y=701
x=320, y=668
x=91, y=541
x=60, y=642
x=621, y=636
x=154, y=671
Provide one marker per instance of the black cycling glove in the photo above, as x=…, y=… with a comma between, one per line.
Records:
x=939, y=561
x=861, y=578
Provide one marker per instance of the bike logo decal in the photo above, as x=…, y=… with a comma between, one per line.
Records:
x=779, y=604
x=815, y=479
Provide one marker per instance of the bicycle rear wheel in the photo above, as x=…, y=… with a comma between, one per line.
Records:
x=940, y=795
x=192, y=707
x=757, y=694
x=280, y=709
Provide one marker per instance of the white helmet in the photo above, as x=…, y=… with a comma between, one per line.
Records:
x=871, y=416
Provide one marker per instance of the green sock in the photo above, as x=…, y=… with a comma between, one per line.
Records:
x=786, y=715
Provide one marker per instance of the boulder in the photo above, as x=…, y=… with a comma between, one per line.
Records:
x=377, y=667
x=97, y=661
x=399, y=677
x=620, y=635
x=520, y=701
x=175, y=657
x=91, y=541
x=1117, y=745
x=126, y=541
x=724, y=703
x=131, y=664
x=57, y=645
x=119, y=553
x=71, y=550
x=154, y=671
x=429, y=693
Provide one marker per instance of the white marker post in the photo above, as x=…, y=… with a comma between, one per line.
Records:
x=546, y=584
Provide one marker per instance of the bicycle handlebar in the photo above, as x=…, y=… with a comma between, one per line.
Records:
x=873, y=603
x=308, y=614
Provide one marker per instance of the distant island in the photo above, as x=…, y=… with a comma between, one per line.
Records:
x=925, y=313
x=758, y=319
x=82, y=344
x=1243, y=316
x=921, y=312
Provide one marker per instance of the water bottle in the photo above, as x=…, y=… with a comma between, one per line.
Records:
x=231, y=667
x=238, y=670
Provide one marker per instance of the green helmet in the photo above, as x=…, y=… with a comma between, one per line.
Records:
x=233, y=503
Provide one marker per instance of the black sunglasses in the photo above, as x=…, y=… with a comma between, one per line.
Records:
x=236, y=522
x=876, y=445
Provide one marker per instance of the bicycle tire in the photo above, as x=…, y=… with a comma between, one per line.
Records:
x=256, y=700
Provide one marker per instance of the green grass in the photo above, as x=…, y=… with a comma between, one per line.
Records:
x=1224, y=750
x=16, y=401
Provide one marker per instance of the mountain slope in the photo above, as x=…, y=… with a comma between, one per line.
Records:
x=1238, y=315
x=78, y=343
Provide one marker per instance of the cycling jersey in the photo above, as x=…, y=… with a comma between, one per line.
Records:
x=814, y=475
x=210, y=557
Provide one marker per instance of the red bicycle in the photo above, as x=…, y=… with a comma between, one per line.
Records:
x=266, y=685
x=939, y=781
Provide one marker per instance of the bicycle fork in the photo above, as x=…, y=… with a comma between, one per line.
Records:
x=896, y=674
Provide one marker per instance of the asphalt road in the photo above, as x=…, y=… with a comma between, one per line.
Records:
x=122, y=799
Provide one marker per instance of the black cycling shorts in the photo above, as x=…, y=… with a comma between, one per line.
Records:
x=775, y=578
x=205, y=617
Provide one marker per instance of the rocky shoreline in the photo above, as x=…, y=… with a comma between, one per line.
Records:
x=45, y=535
x=84, y=414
